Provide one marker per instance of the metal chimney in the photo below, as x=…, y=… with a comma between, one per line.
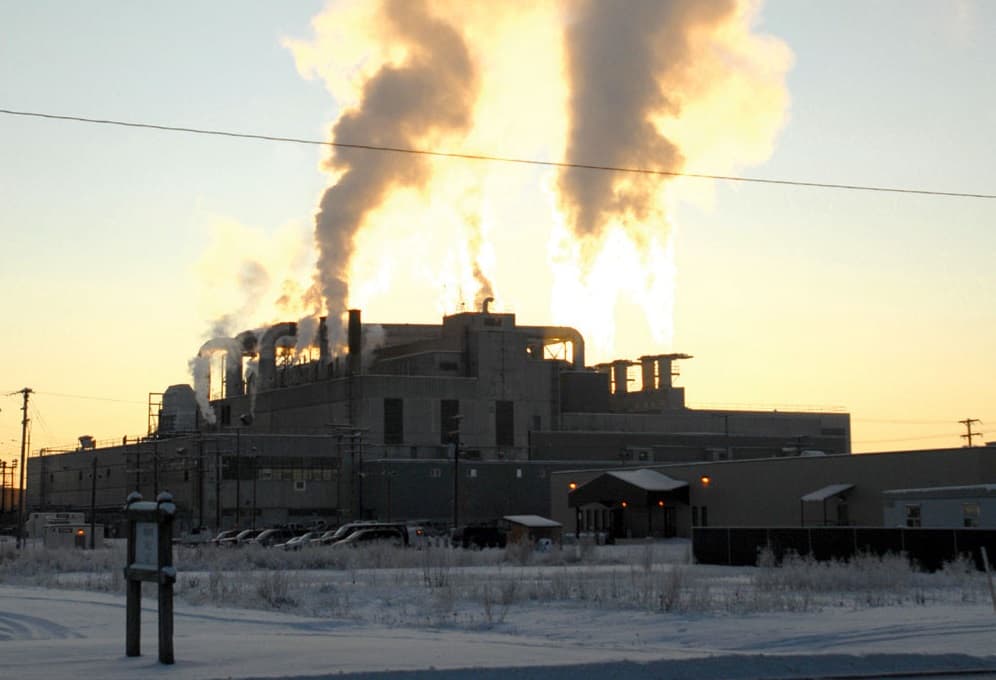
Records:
x=354, y=335
x=648, y=367
x=620, y=379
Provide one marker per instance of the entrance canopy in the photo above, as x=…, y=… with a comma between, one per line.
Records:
x=636, y=487
x=826, y=492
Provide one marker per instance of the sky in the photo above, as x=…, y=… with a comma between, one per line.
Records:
x=125, y=249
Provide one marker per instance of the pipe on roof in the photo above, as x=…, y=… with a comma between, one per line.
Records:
x=268, y=352
x=552, y=334
x=233, y=366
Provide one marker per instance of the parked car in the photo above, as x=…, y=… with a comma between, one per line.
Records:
x=299, y=541
x=478, y=536
x=334, y=535
x=391, y=535
x=241, y=538
x=270, y=537
x=225, y=535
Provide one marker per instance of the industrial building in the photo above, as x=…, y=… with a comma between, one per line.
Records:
x=950, y=488
x=463, y=421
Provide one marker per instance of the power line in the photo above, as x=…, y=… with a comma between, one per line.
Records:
x=491, y=158
x=90, y=398
x=904, y=439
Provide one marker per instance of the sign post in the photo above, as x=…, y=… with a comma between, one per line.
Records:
x=150, y=558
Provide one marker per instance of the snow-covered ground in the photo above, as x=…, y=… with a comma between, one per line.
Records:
x=612, y=612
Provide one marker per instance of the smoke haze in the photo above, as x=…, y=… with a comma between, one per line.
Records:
x=428, y=95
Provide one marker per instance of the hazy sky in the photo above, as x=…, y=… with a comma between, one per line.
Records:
x=121, y=247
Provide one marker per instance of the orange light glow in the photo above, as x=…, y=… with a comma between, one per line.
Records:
x=572, y=486
x=706, y=480
x=80, y=532
x=660, y=504
x=625, y=504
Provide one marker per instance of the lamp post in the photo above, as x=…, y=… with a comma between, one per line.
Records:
x=238, y=477
x=455, y=435
x=93, y=499
x=3, y=486
x=253, y=459
x=387, y=480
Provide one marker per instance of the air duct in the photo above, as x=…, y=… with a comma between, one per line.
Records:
x=268, y=352
x=233, y=366
x=554, y=334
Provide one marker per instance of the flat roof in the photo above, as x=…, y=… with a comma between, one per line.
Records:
x=532, y=521
x=944, y=491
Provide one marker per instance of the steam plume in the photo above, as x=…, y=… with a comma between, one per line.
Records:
x=423, y=97
x=622, y=65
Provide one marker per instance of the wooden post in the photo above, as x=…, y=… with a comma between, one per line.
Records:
x=150, y=558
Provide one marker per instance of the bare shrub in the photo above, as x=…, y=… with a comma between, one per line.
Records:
x=519, y=552
x=273, y=588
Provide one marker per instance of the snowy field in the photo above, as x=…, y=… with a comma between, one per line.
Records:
x=635, y=611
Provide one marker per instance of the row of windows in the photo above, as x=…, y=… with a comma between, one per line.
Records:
x=970, y=513
x=449, y=421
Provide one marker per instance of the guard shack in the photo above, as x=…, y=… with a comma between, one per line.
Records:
x=150, y=558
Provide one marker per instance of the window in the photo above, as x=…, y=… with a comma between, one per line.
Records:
x=913, y=518
x=435, y=473
x=226, y=414
x=449, y=424
x=472, y=473
x=518, y=473
x=394, y=421
x=970, y=513
x=695, y=515
x=704, y=516
x=504, y=423
x=300, y=485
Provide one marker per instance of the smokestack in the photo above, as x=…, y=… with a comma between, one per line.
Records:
x=619, y=375
x=355, y=337
x=324, y=356
x=648, y=365
x=268, y=352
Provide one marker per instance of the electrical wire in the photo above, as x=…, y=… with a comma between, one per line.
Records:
x=90, y=398
x=491, y=158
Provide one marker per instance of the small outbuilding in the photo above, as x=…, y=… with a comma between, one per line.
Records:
x=629, y=503
x=531, y=529
x=941, y=507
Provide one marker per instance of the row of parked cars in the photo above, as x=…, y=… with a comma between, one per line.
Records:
x=351, y=534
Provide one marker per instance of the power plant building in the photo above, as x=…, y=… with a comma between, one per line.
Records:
x=461, y=421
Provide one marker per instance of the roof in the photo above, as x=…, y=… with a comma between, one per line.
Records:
x=970, y=491
x=532, y=521
x=648, y=480
x=827, y=492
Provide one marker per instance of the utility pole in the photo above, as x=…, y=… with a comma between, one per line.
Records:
x=968, y=422
x=24, y=449
x=455, y=435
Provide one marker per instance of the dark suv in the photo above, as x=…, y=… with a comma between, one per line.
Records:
x=478, y=537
